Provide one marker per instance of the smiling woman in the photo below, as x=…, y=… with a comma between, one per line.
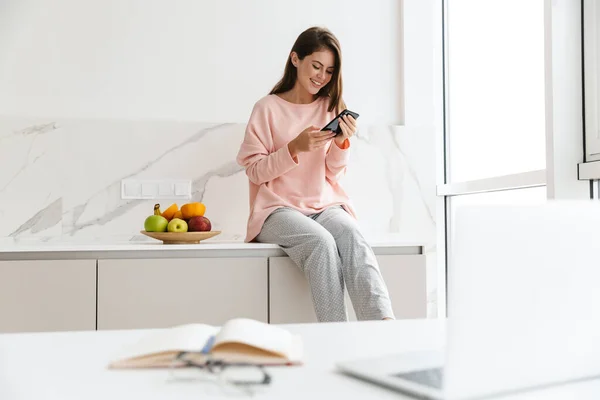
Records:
x=296, y=199
x=315, y=64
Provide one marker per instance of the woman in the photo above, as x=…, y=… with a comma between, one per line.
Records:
x=296, y=200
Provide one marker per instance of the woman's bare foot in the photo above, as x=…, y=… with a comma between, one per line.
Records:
x=388, y=319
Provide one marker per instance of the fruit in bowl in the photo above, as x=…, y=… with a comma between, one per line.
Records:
x=183, y=225
x=177, y=225
x=189, y=218
x=199, y=224
x=191, y=210
x=155, y=223
x=171, y=212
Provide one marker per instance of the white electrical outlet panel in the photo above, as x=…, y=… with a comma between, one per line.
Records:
x=156, y=189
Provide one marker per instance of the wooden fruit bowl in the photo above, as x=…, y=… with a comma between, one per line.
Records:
x=181, y=237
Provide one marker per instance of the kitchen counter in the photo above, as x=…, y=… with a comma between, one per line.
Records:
x=120, y=283
x=31, y=249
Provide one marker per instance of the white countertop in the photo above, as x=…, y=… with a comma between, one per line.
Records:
x=32, y=248
x=72, y=365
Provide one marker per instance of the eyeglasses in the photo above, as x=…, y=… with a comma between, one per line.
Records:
x=241, y=375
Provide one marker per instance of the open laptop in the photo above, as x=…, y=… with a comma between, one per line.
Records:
x=523, y=306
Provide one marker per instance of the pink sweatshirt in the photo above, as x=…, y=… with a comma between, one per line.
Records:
x=276, y=180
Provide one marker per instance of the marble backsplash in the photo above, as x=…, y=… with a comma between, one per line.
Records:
x=61, y=178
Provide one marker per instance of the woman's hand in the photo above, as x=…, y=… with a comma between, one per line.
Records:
x=348, y=127
x=312, y=138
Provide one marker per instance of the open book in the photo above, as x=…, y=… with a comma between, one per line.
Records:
x=238, y=340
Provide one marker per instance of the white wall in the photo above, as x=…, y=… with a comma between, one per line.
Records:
x=423, y=63
x=423, y=99
x=201, y=60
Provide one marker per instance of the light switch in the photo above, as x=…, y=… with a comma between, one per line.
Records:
x=172, y=189
x=149, y=190
x=132, y=189
x=165, y=189
x=182, y=189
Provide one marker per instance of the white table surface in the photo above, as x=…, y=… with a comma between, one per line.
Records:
x=72, y=365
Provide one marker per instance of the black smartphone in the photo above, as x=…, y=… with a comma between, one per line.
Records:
x=334, y=125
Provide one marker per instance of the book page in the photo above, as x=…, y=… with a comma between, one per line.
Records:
x=261, y=335
x=190, y=337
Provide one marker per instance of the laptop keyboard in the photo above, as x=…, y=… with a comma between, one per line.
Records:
x=433, y=377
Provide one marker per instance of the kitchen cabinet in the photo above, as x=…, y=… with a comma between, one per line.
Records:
x=157, y=293
x=47, y=295
x=290, y=300
x=59, y=287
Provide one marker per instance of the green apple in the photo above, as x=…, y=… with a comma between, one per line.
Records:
x=177, y=225
x=156, y=223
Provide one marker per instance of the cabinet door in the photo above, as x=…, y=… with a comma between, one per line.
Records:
x=159, y=293
x=50, y=295
x=290, y=300
x=405, y=277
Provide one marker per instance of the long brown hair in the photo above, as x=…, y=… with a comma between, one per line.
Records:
x=311, y=40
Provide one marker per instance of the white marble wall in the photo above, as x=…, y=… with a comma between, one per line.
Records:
x=61, y=179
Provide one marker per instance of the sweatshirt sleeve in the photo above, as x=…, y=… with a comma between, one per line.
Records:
x=337, y=160
x=262, y=165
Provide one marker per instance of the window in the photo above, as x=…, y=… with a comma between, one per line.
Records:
x=495, y=115
x=495, y=91
x=591, y=41
x=533, y=195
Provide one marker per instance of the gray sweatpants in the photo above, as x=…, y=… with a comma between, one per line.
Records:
x=331, y=251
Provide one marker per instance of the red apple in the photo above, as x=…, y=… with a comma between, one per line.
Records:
x=199, y=224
